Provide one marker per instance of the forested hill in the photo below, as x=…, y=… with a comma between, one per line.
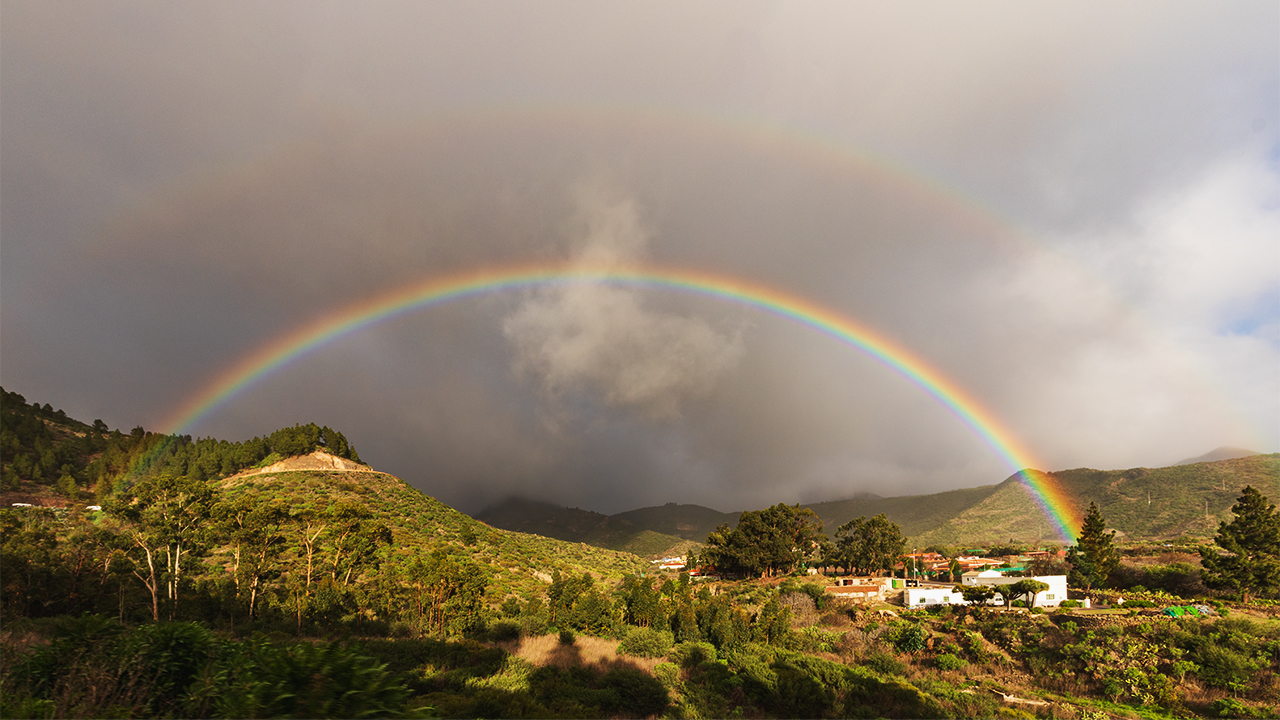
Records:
x=293, y=543
x=43, y=451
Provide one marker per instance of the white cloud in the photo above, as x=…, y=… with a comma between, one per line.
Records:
x=604, y=338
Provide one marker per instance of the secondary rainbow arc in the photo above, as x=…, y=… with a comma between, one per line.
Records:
x=281, y=351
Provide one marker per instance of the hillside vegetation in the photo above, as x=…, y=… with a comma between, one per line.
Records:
x=517, y=563
x=53, y=461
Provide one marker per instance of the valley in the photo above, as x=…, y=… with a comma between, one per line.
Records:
x=156, y=563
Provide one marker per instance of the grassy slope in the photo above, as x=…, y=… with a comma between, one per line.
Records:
x=519, y=562
x=1155, y=503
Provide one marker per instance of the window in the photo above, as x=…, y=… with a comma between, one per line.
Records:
x=946, y=599
x=1048, y=596
x=922, y=600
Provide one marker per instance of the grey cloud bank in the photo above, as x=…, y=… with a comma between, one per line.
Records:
x=1071, y=212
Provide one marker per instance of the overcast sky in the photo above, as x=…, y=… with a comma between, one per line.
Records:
x=1070, y=210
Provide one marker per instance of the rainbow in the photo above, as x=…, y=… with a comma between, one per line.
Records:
x=416, y=296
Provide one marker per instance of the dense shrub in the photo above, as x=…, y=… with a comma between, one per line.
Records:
x=691, y=654
x=885, y=664
x=667, y=673
x=910, y=638
x=503, y=631
x=92, y=667
x=949, y=662
x=646, y=642
x=1224, y=667
x=258, y=678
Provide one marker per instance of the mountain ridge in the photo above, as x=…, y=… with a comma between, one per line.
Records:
x=1139, y=503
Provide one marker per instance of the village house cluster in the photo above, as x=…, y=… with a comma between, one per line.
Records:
x=926, y=579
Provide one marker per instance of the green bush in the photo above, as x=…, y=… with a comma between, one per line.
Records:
x=950, y=662
x=910, y=638
x=1223, y=667
x=1069, y=604
x=585, y=692
x=257, y=678
x=886, y=664
x=504, y=631
x=92, y=667
x=667, y=673
x=693, y=654
x=646, y=642
x=1230, y=708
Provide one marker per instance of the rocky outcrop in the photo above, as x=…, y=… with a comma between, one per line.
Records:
x=318, y=460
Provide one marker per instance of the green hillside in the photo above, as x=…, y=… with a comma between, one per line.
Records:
x=54, y=461
x=1139, y=503
x=518, y=562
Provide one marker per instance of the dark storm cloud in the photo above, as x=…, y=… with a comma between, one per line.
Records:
x=182, y=183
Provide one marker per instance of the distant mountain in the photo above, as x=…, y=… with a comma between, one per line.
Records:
x=654, y=531
x=541, y=518
x=1222, y=453
x=1139, y=503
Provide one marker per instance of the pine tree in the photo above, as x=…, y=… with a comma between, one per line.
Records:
x=1094, y=556
x=1251, y=564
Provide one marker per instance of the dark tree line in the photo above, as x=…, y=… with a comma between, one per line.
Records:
x=43, y=447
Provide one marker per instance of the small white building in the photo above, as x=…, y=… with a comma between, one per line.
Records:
x=980, y=577
x=1052, y=597
x=917, y=597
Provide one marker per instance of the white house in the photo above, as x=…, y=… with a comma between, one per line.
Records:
x=1052, y=597
x=916, y=597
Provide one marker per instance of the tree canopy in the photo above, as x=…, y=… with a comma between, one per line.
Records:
x=1247, y=557
x=869, y=546
x=765, y=542
x=1093, y=557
